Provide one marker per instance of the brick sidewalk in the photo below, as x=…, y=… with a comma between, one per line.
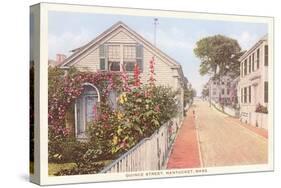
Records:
x=185, y=152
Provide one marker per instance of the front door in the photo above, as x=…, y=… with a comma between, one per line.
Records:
x=86, y=110
x=91, y=108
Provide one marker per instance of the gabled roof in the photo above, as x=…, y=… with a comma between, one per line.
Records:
x=78, y=51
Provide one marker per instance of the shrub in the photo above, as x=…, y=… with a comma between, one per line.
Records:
x=86, y=168
x=261, y=109
x=141, y=110
x=57, y=139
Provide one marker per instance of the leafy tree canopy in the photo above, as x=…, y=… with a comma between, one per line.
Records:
x=219, y=55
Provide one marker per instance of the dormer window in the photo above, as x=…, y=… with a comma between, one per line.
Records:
x=113, y=56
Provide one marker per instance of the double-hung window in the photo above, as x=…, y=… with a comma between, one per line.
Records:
x=129, y=56
x=111, y=56
x=114, y=57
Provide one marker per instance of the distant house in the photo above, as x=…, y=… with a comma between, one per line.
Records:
x=234, y=92
x=253, y=84
x=117, y=47
x=222, y=90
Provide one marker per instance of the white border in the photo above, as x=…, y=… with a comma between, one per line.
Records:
x=45, y=7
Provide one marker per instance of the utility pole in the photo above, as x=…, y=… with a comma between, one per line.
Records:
x=155, y=25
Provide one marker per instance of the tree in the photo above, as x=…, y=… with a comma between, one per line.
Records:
x=219, y=55
x=205, y=91
x=194, y=93
x=189, y=94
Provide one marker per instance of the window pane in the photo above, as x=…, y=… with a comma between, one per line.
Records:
x=114, y=52
x=114, y=66
x=129, y=52
x=89, y=90
x=129, y=66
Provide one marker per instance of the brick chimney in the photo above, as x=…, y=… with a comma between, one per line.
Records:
x=60, y=58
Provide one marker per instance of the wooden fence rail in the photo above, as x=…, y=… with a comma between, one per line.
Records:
x=149, y=154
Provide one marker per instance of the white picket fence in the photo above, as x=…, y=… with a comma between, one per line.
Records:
x=149, y=154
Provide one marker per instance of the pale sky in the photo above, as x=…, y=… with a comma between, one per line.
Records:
x=176, y=37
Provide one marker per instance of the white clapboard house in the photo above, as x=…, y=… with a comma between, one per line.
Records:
x=117, y=46
x=253, y=84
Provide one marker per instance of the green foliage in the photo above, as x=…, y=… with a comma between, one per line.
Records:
x=57, y=140
x=86, y=168
x=54, y=168
x=141, y=111
x=189, y=94
x=205, y=91
x=261, y=109
x=219, y=55
x=149, y=107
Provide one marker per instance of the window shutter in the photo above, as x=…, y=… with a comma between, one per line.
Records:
x=250, y=94
x=266, y=92
x=253, y=62
x=102, y=53
x=258, y=58
x=139, y=56
x=266, y=55
x=250, y=64
x=241, y=95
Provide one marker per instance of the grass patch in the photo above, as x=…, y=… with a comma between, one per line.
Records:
x=53, y=168
x=56, y=167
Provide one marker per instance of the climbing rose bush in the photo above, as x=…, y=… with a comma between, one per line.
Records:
x=141, y=110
